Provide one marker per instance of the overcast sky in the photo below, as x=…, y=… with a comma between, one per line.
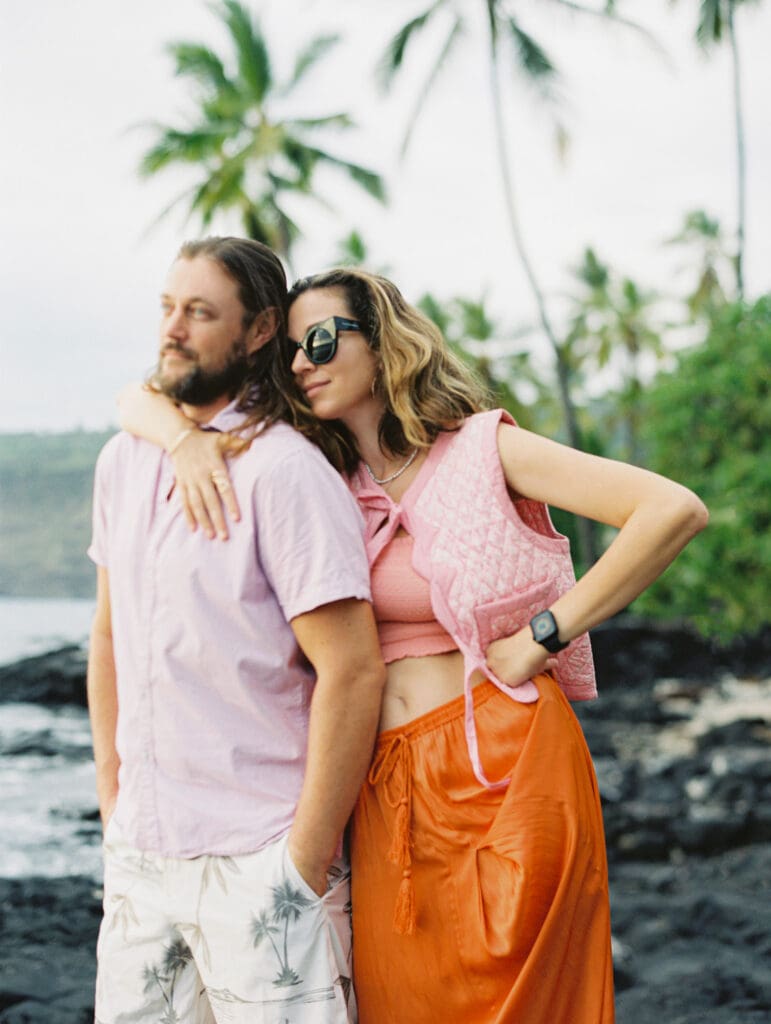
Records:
x=81, y=264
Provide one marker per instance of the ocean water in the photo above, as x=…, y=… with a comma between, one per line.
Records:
x=32, y=625
x=48, y=823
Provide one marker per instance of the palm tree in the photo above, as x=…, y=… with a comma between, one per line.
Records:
x=716, y=22
x=704, y=235
x=262, y=929
x=288, y=905
x=251, y=160
x=612, y=325
x=177, y=955
x=508, y=43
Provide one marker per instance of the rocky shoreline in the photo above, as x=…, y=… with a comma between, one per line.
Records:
x=680, y=739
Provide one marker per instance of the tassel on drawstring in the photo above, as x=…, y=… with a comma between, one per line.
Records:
x=399, y=852
x=404, y=911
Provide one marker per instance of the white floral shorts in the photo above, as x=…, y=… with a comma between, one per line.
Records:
x=221, y=940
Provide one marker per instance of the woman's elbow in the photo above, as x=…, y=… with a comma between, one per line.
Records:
x=690, y=512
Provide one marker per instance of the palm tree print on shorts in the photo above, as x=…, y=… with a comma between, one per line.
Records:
x=288, y=905
x=176, y=957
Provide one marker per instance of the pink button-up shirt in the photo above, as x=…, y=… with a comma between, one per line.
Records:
x=213, y=691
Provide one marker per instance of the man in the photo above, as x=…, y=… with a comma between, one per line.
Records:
x=233, y=688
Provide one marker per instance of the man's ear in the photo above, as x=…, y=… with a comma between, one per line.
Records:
x=263, y=328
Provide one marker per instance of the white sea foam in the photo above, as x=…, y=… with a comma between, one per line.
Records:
x=46, y=768
x=33, y=625
x=47, y=824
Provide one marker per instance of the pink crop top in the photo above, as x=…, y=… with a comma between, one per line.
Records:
x=406, y=623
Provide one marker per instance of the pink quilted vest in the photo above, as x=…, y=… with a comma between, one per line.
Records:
x=491, y=563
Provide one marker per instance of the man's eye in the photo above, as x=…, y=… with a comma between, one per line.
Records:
x=199, y=312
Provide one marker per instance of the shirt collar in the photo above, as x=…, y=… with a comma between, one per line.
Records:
x=231, y=418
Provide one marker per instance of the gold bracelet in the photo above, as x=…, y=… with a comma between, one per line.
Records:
x=179, y=439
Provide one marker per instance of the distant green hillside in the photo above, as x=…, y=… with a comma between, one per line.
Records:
x=45, y=513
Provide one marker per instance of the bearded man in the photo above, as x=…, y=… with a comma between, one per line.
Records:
x=234, y=688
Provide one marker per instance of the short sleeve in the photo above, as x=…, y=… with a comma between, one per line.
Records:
x=309, y=534
x=98, y=548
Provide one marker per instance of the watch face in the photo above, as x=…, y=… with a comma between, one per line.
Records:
x=542, y=626
x=546, y=631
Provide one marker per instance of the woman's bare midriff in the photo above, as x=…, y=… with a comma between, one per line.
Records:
x=415, y=686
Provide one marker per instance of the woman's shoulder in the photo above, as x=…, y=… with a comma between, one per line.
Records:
x=480, y=428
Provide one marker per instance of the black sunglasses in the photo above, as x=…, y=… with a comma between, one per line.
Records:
x=320, y=341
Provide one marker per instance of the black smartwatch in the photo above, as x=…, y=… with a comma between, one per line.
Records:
x=546, y=632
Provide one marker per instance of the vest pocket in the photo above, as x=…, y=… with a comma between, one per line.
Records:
x=506, y=615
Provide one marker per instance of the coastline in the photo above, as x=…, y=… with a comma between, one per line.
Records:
x=679, y=737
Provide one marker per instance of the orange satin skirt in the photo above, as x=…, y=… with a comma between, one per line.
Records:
x=478, y=906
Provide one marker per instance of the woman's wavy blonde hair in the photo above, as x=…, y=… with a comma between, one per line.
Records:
x=426, y=388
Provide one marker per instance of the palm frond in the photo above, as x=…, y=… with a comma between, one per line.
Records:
x=177, y=146
x=609, y=15
x=251, y=49
x=285, y=231
x=369, y=180
x=184, y=194
x=195, y=61
x=532, y=58
x=330, y=121
x=266, y=222
x=222, y=188
x=393, y=55
x=283, y=183
x=226, y=107
x=352, y=250
x=308, y=57
x=709, y=28
x=302, y=158
x=452, y=36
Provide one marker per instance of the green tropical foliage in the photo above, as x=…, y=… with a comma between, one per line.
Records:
x=708, y=424
x=612, y=326
x=250, y=159
x=473, y=334
x=352, y=251
x=702, y=237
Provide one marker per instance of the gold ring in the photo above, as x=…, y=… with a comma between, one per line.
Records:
x=220, y=480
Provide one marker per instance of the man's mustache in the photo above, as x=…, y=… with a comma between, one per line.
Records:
x=175, y=347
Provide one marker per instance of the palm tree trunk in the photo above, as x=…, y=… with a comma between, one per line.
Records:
x=586, y=539
x=741, y=163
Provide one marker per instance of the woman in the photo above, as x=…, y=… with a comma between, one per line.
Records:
x=479, y=873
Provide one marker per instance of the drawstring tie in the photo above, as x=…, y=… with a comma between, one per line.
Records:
x=396, y=761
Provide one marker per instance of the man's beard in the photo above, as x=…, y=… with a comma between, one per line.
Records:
x=203, y=386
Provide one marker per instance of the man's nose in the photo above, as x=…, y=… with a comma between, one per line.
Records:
x=174, y=324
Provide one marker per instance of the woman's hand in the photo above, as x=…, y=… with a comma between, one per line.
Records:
x=203, y=479
x=515, y=659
